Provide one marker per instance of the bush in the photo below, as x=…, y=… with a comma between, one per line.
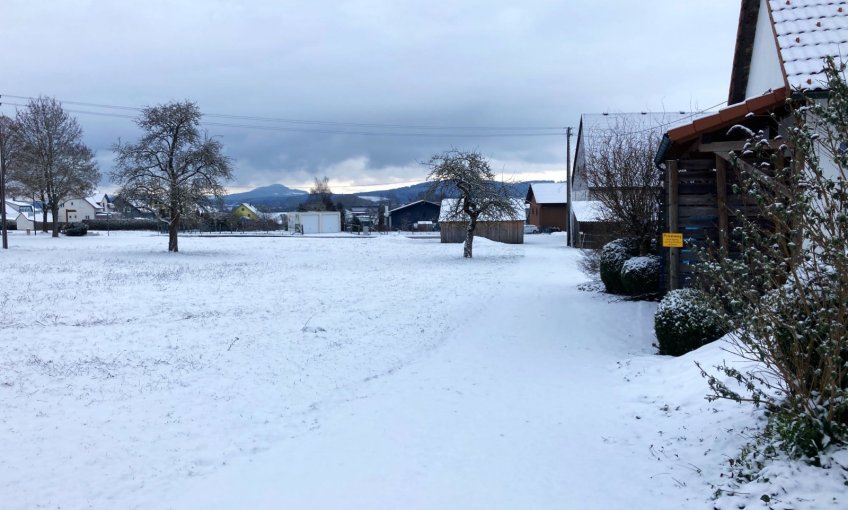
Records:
x=641, y=275
x=75, y=229
x=613, y=256
x=685, y=320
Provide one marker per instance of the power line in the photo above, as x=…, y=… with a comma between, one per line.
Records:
x=316, y=122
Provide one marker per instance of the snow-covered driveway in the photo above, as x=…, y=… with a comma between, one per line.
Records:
x=520, y=408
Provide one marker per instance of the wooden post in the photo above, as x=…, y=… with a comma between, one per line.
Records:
x=673, y=253
x=721, y=199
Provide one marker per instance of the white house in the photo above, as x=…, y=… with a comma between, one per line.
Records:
x=79, y=209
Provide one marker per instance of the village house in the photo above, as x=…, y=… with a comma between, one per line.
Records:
x=508, y=228
x=79, y=209
x=780, y=47
x=548, y=203
x=246, y=211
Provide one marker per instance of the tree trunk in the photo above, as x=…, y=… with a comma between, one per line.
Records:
x=469, y=237
x=55, y=210
x=43, y=218
x=173, y=228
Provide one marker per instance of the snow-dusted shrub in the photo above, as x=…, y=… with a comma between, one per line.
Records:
x=613, y=256
x=787, y=291
x=684, y=321
x=641, y=275
x=75, y=229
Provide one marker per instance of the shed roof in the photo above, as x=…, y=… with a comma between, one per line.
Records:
x=728, y=116
x=449, y=204
x=413, y=203
x=549, y=192
x=587, y=210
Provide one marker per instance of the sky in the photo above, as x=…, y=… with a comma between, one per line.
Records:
x=365, y=91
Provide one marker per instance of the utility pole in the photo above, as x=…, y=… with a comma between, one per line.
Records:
x=569, y=238
x=3, y=186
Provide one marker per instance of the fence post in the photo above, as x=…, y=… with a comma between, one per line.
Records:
x=673, y=253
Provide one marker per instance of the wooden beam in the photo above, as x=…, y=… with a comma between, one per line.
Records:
x=780, y=188
x=673, y=253
x=721, y=199
x=725, y=147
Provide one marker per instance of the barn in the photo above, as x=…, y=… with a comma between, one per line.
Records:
x=405, y=216
x=548, y=205
x=508, y=229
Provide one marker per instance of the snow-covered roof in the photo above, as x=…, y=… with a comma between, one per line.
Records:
x=449, y=205
x=807, y=31
x=550, y=192
x=587, y=210
x=250, y=208
x=597, y=125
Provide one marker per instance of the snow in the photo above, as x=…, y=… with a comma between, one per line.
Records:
x=359, y=372
x=446, y=212
x=587, y=210
x=550, y=192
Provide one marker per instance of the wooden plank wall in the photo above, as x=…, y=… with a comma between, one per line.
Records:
x=701, y=205
x=510, y=232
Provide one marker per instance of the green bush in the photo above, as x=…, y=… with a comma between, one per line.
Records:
x=613, y=256
x=75, y=229
x=641, y=275
x=685, y=320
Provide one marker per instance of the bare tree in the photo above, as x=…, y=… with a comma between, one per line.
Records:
x=480, y=195
x=8, y=151
x=174, y=167
x=622, y=176
x=54, y=163
x=320, y=197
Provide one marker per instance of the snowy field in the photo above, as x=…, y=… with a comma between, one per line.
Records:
x=332, y=373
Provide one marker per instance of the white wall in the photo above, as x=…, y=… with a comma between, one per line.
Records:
x=766, y=73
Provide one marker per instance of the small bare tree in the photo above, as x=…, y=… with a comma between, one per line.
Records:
x=320, y=197
x=622, y=176
x=480, y=195
x=54, y=164
x=174, y=167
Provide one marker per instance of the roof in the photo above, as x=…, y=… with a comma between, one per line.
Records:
x=728, y=116
x=599, y=124
x=804, y=31
x=413, y=203
x=549, y=192
x=249, y=208
x=587, y=210
x=449, y=204
x=807, y=31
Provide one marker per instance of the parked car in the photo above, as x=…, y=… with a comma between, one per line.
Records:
x=531, y=229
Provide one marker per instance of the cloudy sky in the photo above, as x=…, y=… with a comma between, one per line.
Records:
x=362, y=91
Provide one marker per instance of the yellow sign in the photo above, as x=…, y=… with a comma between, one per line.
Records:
x=671, y=240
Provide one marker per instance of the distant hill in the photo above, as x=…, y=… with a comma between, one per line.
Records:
x=266, y=194
x=277, y=197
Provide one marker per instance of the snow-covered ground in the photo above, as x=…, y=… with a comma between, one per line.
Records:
x=381, y=372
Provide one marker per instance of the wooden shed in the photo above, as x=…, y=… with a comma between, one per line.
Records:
x=699, y=178
x=405, y=216
x=548, y=205
x=508, y=229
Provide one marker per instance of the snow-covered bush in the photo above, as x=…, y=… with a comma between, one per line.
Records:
x=613, y=256
x=75, y=229
x=786, y=293
x=684, y=321
x=641, y=275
